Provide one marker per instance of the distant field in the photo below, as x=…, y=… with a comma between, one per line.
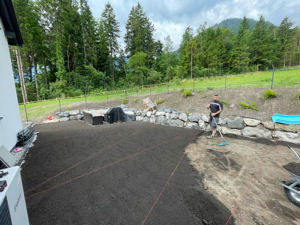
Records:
x=257, y=79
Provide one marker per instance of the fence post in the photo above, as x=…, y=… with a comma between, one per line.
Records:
x=272, y=78
x=85, y=101
x=193, y=86
x=25, y=111
x=59, y=106
x=225, y=80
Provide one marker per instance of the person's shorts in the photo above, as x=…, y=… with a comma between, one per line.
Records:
x=212, y=123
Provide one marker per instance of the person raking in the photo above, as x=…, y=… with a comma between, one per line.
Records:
x=216, y=107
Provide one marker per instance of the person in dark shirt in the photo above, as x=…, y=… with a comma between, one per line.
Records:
x=216, y=107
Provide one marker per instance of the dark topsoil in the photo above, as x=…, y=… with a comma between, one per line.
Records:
x=293, y=168
x=122, y=193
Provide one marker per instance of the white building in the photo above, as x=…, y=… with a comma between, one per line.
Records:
x=10, y=120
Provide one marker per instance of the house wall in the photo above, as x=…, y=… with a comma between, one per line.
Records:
x=11, y=123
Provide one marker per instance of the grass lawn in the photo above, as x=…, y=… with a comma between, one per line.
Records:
x=248, y=80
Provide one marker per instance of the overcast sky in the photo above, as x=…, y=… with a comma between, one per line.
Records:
x=171, y=17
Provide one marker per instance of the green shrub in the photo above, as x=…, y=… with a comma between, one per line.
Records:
x=268, y=94
x=174, y=103
x=210, y=88
x=68, y=108
x=297, y=96
x=188, y=113
x=251, y=105
x=187, y=93
x=161, y=100
x=136, y=100
x=124, y=101
x=225, y=103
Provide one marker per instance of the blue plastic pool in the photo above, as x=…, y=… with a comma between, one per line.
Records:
x=286, y=119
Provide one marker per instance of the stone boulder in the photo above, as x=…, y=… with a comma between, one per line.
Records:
x=138, y=113
x=192, y=126
x=143, y=114
x=160, y=113
x=255, y=132
x=73, y=118
x=171, y=122
x=152, y=119
x=281, y=127
x=139, y=118
x=79, y=117
x=146, y=119
x=226, y=130
x=174, y=116
x=63, y=119
x=65, y=114
x=74, y=112
x=194, y=117
x=201, y=125
x=205, y=118
x=287, y=136
x=237, y=123
x=168, y=110
x=161, y=120
x=178, y=123
x=149, y=113
x=222, y=122
x=251, y=122
x=183, y=117
x=168, y=116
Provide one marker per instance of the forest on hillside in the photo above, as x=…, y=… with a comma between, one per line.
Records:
x=68, y=50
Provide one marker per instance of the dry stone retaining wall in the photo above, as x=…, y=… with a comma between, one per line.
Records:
x=253, y=128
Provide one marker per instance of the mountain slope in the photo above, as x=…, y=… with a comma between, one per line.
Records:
x=234, y=24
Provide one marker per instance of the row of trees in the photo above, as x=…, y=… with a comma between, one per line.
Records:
x=67, y=50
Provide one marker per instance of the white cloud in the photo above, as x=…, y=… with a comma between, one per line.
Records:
x=171, y=17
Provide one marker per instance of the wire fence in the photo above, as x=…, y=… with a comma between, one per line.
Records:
x=289, y=77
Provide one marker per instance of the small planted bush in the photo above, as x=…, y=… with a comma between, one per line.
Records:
x=251, y=105
x=297, y=96
x=187, y=93
x=161, y=100
x=268, y=94
x=188, y=113
x=225, y=103
x=124, y=101
x=174, y=103
x=68, y=108
x=136, y=100
x=210, y=88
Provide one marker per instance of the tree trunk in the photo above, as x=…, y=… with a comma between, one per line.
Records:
x=21, y=76
x=45, y=73
x=112, y=69
x=284, y=62
x=35, y=75
x=30, y=73
x=68, y=53
x=191, y=60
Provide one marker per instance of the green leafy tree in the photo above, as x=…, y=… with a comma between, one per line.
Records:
x=138, y=69
x=112, y=29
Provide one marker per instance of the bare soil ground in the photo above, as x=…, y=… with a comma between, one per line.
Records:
x=227, y=171
x=283, y=104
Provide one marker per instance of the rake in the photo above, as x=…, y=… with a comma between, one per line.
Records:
x=224, y=142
